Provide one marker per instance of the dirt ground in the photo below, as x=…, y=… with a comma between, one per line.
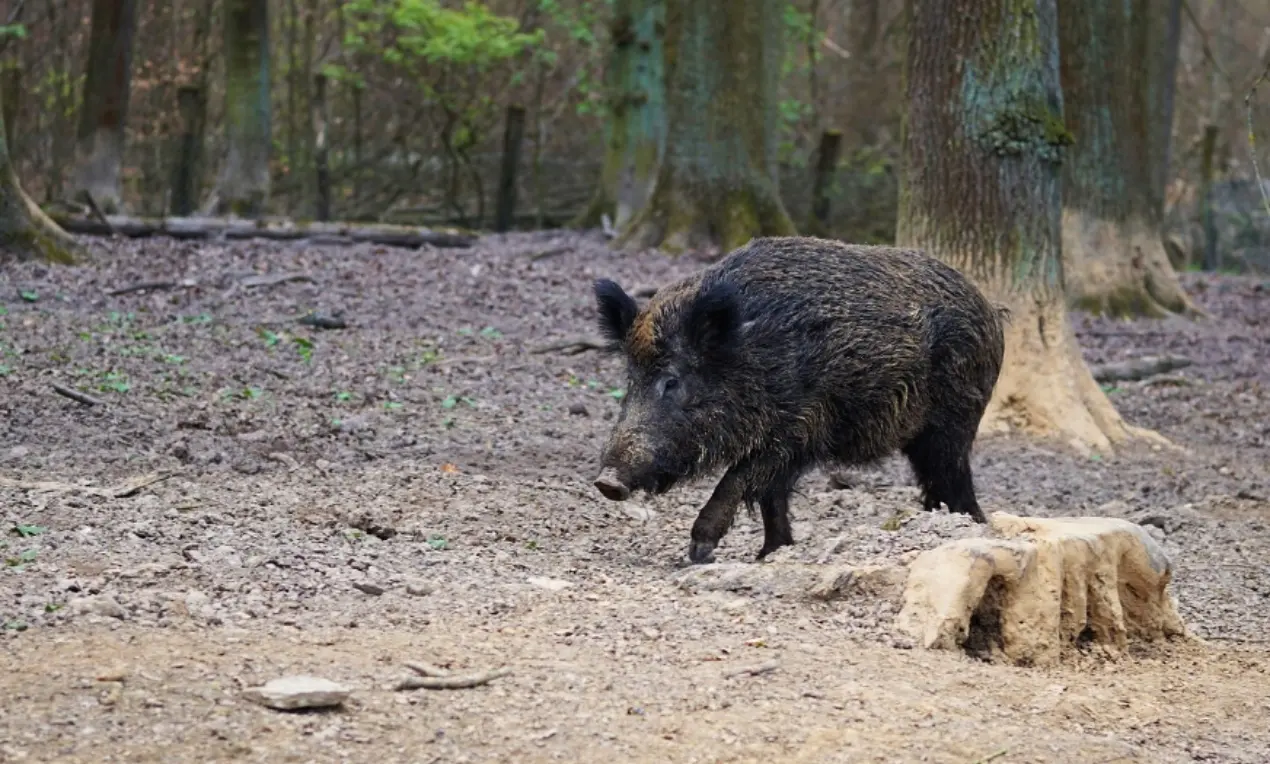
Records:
x=417, y=486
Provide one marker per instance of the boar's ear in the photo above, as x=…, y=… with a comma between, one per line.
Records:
x=617, y=310
x=714, y=318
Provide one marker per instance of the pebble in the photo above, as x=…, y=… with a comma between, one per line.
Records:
x=418, y=588
x=102, y=604
x=366, y=588
x=295, y=692
x=550, y=584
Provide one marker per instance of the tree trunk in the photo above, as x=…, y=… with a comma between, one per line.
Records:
x=321, y=160
x=980, y=189
x=635, y=132
x=717, y=187
x=243, y=186
x=1116, y=77
x=25, y=231
x=103, y=112
x=863, y=29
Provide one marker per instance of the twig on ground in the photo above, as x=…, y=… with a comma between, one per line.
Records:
x=425, y=669
x=993, y=756
x=535, y=257
x=1139, y=368
x=76, y=395
x=133, y=485
x=450, y=681
x=755, y=670
x=570, y=347
x=324, y=320
x=97, y=213
x=274, y=279
x=147, y=285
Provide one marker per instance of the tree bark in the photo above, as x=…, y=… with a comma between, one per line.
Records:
x=25, y=231
x=635, y=131
x=103, y=113
x=980, y=189
x=1117, y=72
x=243, y=186
x=716, y=187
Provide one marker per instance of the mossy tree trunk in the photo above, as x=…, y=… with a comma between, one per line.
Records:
x=635, y=131
x=983, y=144
x=243, y=186
x=716, y=187
x=103, y=112
x=25, y=231
x=1118, y=60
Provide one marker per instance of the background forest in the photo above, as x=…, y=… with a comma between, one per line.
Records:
x=415, y=97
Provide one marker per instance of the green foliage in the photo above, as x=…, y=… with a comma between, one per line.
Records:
x=410, y=33
x=16, y=31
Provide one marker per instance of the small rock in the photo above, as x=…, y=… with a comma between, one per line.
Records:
x=367, y=588
x=103, y=604
x=296, y=692
x=416, y=588
x=636, y=512
x=550, y=584
x=579, y=409
x=194, y=599
x=17, y=452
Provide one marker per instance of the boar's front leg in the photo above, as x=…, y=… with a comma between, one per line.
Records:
x=715, y=518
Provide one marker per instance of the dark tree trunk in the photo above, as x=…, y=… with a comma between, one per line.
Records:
x=1117, y=72
x=513, y=133
x=25, y=231
x=980, y=189
x=243, y=186
x=635, y=132
x=192, y=103
x=716, y=187
x=321, y=162
x=103, y=113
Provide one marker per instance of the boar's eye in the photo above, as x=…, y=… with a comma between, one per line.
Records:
x=668, y=385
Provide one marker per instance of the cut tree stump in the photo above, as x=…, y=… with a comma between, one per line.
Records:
x=273, y=229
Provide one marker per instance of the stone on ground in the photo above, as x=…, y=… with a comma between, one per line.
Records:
x=295, y=692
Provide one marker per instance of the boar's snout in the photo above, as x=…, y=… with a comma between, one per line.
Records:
x=612, y=486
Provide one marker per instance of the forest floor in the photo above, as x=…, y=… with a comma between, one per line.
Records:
x=417, y=487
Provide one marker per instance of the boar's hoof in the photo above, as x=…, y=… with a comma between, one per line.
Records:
x=700, y=552
x=612, y=488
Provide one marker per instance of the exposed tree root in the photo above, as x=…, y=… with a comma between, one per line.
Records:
x=1120, y=269
x=1046, y=389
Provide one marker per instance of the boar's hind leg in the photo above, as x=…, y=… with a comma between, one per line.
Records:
x=776, y=530
x=941, y=461
x=715, y=518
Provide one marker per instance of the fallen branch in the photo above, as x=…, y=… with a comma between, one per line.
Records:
x=451, y=682
x=76, y=395
x=993, y=756
x=761, y=668
x=123, y=490
x=570, y=347
x=147, y=285
x=324, y=320
x=273, y=229
x=1139, y=368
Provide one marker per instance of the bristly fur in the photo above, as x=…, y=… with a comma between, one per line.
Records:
x=796, y=352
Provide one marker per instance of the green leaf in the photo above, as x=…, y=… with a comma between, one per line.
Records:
x=26, y=531
x=437, y=541
x=617, y=393
x=449, y=402
x=28, y=295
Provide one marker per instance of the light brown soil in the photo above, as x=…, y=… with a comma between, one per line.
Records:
x=445, y=467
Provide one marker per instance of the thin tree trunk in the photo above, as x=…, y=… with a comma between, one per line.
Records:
x=863, y=32
x=103, y=112
x=321, y=166
x=717, y=187
x=513, y=133
x=635, y=132
x=25, y=231
x=11, y=99
x=980, y=189
x=1114, y=73
x=243, y=186
x=191, y=102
